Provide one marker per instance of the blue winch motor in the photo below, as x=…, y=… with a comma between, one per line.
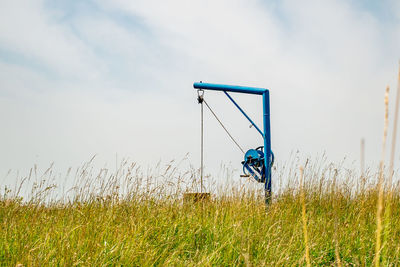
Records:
x=254, y=164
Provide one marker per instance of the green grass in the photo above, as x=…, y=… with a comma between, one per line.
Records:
x=232, y=229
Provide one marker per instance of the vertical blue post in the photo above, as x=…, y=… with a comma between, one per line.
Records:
x=267, y=145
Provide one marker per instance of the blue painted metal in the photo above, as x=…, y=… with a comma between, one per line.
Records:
x=230, y=88
x=267, y=145
x=256, y=162
x=244, y=113
x=253, y=164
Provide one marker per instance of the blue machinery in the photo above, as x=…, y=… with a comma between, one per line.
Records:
x=257, y=162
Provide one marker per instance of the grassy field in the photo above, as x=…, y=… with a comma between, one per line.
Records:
x=145, y=227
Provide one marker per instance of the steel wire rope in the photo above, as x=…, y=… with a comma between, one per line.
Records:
x=201, y=100
x=223, y=126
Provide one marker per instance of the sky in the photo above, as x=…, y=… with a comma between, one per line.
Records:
x=115, y=79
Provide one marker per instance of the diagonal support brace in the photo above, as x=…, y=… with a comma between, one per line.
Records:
x=244, y=113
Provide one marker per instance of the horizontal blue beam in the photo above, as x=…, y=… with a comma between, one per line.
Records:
x=230, y=88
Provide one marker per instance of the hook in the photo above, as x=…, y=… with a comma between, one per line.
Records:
x=200, y=94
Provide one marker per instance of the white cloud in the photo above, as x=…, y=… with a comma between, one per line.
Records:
x=27, y=28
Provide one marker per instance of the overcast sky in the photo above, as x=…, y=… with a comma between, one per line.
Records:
x=114, y=78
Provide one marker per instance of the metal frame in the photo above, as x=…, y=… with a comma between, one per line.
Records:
x=266, y=133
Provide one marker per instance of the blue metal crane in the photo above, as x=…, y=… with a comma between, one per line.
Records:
x=257, y=162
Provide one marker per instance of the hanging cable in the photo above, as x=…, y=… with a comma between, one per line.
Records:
x=233, y=139
x=200, y=99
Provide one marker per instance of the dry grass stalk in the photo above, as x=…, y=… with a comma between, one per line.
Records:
x=388, y=209
x=303, y=215
x=380, y=184
x=395, y=119
x=336, y=220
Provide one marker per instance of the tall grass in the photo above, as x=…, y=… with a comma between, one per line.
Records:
x=136, y=217
x=304, y=216
x=380, y=183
